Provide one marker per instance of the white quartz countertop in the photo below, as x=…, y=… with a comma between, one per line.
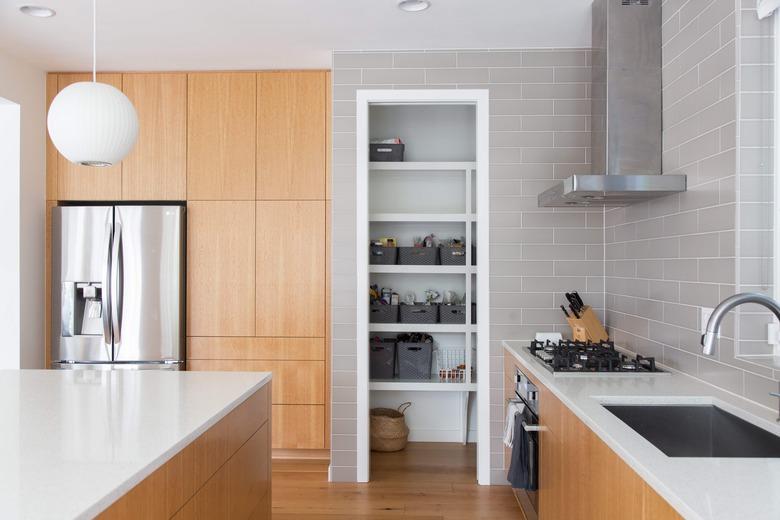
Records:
x=698, y=488
x=73, y=441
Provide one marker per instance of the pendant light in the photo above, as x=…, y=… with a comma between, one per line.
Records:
x=91, y=123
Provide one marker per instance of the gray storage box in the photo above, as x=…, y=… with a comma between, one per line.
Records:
x=473, y=313
x=379, y=313
x=418, y=255
x=386, y=152
x=452, y=255
x=382, y=358
x=383, y=255
x=473, y=255
x=420, y=313
x=452, y=314
x=414, y=360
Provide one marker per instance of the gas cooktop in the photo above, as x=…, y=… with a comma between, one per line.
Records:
x=578, y=357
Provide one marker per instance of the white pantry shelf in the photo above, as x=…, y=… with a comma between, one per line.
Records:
x=430, y=328
x=422, y=269
x=422, y=217
x=434, y=385
x=421, y=166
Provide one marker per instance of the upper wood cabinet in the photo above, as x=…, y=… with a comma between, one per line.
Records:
x=52, y=88
x=291, y=135
x=75, y=182
x=156, y=167
x=221, y=112
x=221, y=268
x=290, y=268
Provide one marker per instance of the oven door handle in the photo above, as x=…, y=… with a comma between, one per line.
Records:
x=533, y=427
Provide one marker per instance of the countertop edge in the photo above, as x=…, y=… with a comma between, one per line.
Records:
x=135, y=479
x=652, y=480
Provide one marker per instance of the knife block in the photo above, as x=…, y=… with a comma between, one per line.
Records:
x=587, y=327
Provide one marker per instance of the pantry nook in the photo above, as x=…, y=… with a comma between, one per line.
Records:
x=422, y=210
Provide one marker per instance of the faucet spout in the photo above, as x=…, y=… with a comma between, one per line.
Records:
x=713, y=325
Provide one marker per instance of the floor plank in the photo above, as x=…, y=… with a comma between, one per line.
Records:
x=426, y=481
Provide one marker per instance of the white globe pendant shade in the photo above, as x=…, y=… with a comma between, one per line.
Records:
x=92, y=123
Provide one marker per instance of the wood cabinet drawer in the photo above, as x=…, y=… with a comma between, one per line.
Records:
x=304, y=349
x=299, y=427
x=294, y=382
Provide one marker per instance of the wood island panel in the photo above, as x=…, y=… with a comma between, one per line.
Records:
x=224, y=473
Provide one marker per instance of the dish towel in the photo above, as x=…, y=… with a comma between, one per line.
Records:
x=522, y=468
x=512, y=410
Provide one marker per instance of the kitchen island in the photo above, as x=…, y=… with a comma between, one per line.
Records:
x=134, y=444
x=599, y=447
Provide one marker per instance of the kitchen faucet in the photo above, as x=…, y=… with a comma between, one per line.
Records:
x=713, y=325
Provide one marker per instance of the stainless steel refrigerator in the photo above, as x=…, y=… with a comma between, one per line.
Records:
x=118, y=287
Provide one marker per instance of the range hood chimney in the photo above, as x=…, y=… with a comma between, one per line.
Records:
x=626, y=112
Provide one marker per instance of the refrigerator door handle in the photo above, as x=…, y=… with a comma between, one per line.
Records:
x=117, y=286
x=105, y=290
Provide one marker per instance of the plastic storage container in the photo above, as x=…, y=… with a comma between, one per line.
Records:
x=452, y=314
x=386, y=152
x=379, y=313
x=420, y=313
x=380, y=255
x=414, y=360
x=418, y=255
x=452, y=255
x=382, y=358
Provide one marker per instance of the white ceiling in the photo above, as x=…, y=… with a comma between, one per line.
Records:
x=266, y=34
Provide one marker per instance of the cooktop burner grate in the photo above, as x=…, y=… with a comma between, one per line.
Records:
x=579, y=356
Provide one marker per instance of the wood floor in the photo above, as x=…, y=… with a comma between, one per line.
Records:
x=426, y=481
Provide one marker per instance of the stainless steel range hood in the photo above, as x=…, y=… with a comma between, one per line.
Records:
x=626, y=112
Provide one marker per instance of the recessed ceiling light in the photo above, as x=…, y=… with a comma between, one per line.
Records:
x=37, y=11
x=413, y=6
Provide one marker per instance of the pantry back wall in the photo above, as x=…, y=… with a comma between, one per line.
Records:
x=539, y=132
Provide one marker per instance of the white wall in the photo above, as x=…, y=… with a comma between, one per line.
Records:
x=26, y=86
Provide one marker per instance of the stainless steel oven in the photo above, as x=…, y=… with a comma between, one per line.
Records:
x=527, y=393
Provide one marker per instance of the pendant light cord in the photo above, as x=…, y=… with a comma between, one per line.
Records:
x=94, y=40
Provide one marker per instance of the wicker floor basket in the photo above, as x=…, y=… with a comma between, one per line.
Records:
x=388, y=428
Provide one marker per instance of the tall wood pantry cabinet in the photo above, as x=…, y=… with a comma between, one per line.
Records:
x=248, y=153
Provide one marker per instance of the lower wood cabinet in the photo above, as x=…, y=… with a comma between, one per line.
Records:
x=300, y=392
x=579, y=475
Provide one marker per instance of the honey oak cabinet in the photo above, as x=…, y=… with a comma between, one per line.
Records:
x=221, y=136
x=290, y=265
x=155, y=169
x=76, y=182
x=220, y=268
x=579, y=475
x=291, y=135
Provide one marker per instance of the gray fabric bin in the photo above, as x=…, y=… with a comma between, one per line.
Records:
x=392, y=152
x=418, y=255
x=452, y=255
x=382, y=358
x=379, y=313
x=452, y=314
x=419, y=313
x=414, y=360
x=383, y=255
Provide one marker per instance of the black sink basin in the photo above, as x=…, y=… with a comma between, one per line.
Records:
x=697, y=431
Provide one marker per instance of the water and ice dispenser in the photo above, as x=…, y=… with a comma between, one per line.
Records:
x=82, y=309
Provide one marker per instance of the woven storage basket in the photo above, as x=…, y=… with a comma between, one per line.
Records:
x=388, y=428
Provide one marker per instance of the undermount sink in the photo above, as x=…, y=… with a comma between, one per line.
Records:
x=697, y=431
